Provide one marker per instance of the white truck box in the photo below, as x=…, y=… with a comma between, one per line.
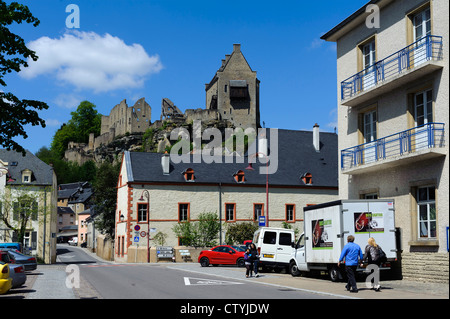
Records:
x=326, y=227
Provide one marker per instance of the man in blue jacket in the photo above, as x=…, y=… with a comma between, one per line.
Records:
x=352, y=254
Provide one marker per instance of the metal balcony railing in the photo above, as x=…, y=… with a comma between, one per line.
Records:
x=425, y=49
x=426, y=136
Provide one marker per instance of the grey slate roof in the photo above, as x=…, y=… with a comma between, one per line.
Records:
x=65, y=210
x=42, y=173
x=296, y=156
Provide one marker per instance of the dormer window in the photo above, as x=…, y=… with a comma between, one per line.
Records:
x=239, y=177
x=307, y=178
x=26, y=176
x=189, y=175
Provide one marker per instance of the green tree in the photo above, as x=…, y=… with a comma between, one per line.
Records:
x=14, y=112
x=237, y=233
x=105, y=197
x=202, y=233
x=84, y=120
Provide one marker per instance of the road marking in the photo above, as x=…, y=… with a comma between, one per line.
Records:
x=190, y=281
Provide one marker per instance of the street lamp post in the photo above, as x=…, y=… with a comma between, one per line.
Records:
x=250, y=168
x=146, y=194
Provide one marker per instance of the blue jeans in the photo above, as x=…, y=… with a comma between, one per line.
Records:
x=255, y=265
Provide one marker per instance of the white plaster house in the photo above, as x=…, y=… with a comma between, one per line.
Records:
x=172, y=193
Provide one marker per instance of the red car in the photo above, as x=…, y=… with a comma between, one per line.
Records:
x=222, y=255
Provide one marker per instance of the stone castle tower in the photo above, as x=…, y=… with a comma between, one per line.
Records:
x=234, y=91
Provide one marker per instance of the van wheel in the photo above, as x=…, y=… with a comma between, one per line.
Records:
x=293, y=269
x=335, y=274
x=204, y=262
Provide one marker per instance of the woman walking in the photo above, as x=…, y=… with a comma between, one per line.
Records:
x=372, y=257
x=248, y=263
x=255, y=258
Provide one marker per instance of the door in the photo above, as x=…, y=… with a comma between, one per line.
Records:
x=368, y=55
x=370, y=136
x=300, y=254
x=422, y=28
x=423, y=114
x=284, y=249
x=268, y=246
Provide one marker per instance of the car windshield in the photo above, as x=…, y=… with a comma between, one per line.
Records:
x=238, y=248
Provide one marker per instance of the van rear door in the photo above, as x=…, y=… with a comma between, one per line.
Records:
x=284, y=248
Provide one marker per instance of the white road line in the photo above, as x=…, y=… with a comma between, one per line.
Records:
x=268, y=284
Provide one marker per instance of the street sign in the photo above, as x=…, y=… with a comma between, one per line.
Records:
x=143, y=233
x=164, y=252
x=137, y=228
x=136, y=239
x=262, y=221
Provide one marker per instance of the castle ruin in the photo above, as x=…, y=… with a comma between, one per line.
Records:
x=232, y=96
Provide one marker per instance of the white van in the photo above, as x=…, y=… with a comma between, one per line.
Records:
x=274, y=246
x=73, y=241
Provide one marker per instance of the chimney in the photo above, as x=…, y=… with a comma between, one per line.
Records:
x=165, y=163
x=316, y=137
x=262, y=145
x=237, y=47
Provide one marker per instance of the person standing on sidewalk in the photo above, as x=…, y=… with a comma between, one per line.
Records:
x=248, y=263
x=352, y=254
x=255, y=258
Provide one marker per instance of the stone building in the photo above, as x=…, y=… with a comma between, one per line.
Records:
x=234, y=91
x=127, y=119
x=393, y=117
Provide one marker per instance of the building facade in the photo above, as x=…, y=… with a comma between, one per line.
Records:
x=393, y=116
x=234, y=91
x=28, y=193
x=156, y=193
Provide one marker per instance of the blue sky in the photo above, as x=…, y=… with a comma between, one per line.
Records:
x=158, y=49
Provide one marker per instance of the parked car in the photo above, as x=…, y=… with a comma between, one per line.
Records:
x=73, y=241
x=222, y=255
x=17, y=273
x=5, y=278
x=28, y=262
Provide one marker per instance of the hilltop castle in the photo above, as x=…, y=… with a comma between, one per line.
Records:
x=232, y=96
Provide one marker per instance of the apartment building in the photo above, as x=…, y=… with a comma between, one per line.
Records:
x=393, y=116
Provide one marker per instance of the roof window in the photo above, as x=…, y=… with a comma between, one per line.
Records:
x=239, y=176
x=307, y=178
x=189, y=175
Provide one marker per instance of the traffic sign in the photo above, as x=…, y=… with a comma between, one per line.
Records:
x=143, y=233
x=137, y=228
x=262, y=221
x=136, y=239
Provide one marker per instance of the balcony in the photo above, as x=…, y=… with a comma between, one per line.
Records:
x=414, y=61
x=416, y=144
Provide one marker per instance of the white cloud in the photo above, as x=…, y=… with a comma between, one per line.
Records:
x=68, y=101
x=52, y=122
x=90, y=61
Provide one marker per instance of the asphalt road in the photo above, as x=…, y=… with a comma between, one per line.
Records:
x=163, y=281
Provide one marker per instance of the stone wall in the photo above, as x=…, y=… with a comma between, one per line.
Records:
x=426, y=267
